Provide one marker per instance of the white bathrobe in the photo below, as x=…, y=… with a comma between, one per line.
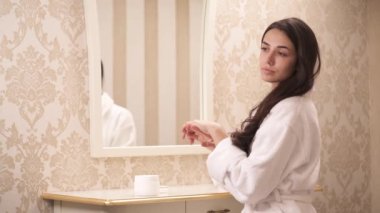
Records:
x=282, y=169
x=118, y=124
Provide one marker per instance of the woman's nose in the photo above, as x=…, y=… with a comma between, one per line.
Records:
x=270, y=58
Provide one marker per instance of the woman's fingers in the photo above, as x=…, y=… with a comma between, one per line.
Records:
x=192, y=132
x=189, y=134
x=208, y=145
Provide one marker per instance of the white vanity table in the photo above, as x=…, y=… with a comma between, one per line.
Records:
x=175, y=199
x=205, y=198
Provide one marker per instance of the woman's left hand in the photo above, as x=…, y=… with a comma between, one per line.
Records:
x=193, y=132
x=209, y=134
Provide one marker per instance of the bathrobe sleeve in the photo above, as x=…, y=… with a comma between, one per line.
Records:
x=251, y=179
x=124, y=132
x=118, y=126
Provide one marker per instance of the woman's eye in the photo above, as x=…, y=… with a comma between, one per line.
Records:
x=264, y=48
x=283, y=54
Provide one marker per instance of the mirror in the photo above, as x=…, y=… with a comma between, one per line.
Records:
x=155, y=136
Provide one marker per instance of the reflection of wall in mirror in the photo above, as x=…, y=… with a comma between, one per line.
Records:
x=153, y=48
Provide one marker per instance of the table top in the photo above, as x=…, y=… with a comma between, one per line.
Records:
x=114, y=197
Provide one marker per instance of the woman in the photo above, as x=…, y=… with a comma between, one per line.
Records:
x=271, y=164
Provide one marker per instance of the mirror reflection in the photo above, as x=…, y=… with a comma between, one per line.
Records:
x=118, y=124
x=151, y=51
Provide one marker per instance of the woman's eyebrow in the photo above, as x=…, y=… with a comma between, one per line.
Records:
x=280, y=46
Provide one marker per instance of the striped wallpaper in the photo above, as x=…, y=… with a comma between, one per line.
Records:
x=153, y=48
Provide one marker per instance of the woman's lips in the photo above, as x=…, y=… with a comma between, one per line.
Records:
x=267, y=71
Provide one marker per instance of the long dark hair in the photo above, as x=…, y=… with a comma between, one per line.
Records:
x=300, y=82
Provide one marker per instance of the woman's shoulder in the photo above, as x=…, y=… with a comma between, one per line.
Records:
x=294, y=107
x=122, y=111
x=294, y=113
x=294, y=103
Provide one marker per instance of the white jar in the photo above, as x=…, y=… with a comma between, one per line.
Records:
x=146, y=185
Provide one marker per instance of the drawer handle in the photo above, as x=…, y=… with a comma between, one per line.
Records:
x=219, y=211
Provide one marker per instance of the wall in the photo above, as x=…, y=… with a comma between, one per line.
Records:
x=44, y=112
x=341, y=94
x=44, y=100
x=374, y=88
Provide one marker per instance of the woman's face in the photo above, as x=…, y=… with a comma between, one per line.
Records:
x=277, y=57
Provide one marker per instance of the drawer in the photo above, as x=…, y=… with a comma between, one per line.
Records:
x=164, y=207
x=213, y=205
x=167, y=207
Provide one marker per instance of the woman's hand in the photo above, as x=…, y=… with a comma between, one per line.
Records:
x=209, y=134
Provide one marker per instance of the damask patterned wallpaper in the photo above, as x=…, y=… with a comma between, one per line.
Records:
x=374, y=88
x=44, y=112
